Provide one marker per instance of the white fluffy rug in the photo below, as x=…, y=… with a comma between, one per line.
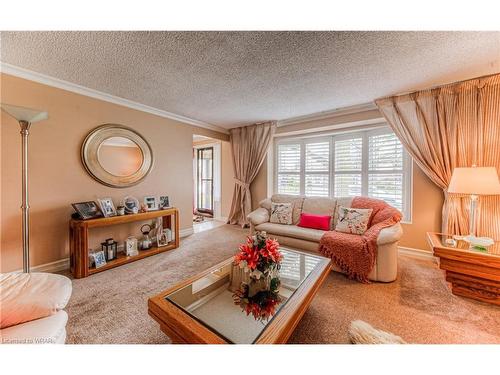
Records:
x=362, y=333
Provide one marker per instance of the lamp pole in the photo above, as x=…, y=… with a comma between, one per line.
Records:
x=25, y=207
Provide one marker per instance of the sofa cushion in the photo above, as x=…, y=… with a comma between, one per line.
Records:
x=344, y=202
x=48, y=330
x=315, y=221
x=353, y=220
x=294, y=231
x=30, y=296
x=281, y=213
x=320, y=206
x=296, y=202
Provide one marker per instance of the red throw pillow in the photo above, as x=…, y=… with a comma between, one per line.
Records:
x=315, y=221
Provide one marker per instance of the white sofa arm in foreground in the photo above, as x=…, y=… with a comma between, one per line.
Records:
x=32, y=308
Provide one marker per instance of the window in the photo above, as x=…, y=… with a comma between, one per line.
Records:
x=348, y=162
x=289, y=168
x=317, y=169
x=370, y=162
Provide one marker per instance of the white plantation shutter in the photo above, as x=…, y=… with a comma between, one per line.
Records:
x=348, y=163
x=385, y=169
x=288, y=156
x=368, y=162
x=317, y=169
x=385, y=152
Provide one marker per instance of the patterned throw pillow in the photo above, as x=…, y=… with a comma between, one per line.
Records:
x=281, y=213
x=353, y=220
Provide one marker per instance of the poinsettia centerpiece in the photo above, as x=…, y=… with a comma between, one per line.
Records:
x=260, y=259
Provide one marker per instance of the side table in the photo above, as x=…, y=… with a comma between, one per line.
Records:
x=473, y=273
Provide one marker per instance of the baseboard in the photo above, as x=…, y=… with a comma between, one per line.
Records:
x=419, y=253
x=52, y=267
x=63, y=264
x=186, y=232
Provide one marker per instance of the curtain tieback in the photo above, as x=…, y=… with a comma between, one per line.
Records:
x=244, y=185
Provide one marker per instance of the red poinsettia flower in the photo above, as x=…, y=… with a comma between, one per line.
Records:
x=249, y=253
x=271, y=251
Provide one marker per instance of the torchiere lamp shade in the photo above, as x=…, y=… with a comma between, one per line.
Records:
x=24, y=114
x=475, y=181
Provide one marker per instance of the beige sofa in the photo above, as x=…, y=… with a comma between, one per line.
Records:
x=306, y=239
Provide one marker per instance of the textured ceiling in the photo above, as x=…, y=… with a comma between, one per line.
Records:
x=236, y=78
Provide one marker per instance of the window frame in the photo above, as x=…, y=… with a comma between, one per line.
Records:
x=406, y=171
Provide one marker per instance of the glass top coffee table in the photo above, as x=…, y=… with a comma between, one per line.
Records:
x=202, y=310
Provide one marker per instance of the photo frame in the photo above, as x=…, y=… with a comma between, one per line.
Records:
x=87, y=210
x=99, y=259
x=151, y=203
x=164, y=202
x=161, y=239
x=107, y=207
x=131, y=204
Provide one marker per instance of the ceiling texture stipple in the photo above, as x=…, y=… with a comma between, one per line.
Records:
x=232, y=79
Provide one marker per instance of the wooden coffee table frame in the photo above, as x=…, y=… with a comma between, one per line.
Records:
x=182, y=328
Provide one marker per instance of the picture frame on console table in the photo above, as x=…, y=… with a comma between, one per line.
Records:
x=87, y=210
x=164, y=202
x=151, y=203
x=107, y=207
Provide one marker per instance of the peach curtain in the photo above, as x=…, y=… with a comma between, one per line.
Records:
x=249, y=146
x=455, y=125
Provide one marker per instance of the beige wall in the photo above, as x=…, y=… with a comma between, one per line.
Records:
x=57, y=177
x=227, y=177
x=426, y=216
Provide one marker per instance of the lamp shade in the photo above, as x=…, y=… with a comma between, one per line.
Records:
x=475, y=180
x=24, y=114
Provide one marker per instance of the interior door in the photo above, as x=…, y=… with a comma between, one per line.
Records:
x=205, y=185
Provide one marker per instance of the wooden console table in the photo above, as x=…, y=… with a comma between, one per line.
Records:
x=79, y=233
x=472, y=273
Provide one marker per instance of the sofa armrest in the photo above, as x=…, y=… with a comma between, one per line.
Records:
x=390, y=234
x=30, y=296
x=259, y=216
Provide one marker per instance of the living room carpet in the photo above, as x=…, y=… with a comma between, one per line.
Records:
x=111, y=307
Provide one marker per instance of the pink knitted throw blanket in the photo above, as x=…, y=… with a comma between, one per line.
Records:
x=355, y=254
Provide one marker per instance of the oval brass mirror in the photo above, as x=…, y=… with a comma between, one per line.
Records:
x=116, y=156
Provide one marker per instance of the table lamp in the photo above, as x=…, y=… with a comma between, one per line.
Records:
x=474, y=181
x=25, y=117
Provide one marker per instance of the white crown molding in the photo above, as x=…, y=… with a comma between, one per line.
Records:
x=328, y=114
x=82, y=90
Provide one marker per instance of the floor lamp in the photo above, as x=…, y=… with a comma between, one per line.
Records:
x=25, y=117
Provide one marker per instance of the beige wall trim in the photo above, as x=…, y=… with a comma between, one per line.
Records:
x=57, y=266
x=419, y=253
x=186, y=232
x=82, y=90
